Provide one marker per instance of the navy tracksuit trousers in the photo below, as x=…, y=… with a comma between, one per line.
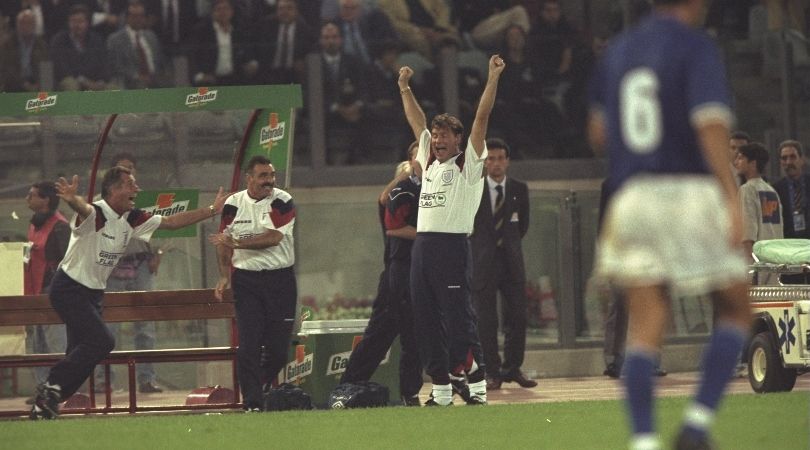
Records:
x=88, y=338
x=445, y=322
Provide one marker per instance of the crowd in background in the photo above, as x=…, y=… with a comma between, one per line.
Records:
x=130, y=44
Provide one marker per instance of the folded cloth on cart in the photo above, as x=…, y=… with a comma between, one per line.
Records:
x=783, y=251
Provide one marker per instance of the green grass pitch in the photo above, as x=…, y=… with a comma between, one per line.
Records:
x=744, y=422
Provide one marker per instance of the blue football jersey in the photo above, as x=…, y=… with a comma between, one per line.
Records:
x=652, y=86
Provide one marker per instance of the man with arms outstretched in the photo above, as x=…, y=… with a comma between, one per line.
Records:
x=441, y=262
x=100, y=232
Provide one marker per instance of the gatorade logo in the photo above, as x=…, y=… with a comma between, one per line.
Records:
x=299, y=368
x=42, y=101
x=166, y=206
x=201, y=97
x=273, y=132
x=338, y=362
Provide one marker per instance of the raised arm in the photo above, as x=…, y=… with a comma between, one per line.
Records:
x=67, y=192
x=182, y=219
x=413, y=112
x=478, y=132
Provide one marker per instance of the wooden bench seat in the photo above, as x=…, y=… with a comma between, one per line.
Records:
x=189, y=304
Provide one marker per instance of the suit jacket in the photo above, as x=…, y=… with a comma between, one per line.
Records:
x=375, y=29
x=205, y=51
x=90, y=63
x=482, y=240
x=782, y=189
x=124, y=60
x=267, y=41
x=187, y=18
x=349, y=84
x=11, y=79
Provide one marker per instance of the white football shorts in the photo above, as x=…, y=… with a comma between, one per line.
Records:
x=671, y=231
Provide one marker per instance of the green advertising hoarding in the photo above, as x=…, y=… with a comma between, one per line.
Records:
x=270, y=135
x=167, y=202
x=183, y=99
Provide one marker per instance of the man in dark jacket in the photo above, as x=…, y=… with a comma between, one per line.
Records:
x=500, y=224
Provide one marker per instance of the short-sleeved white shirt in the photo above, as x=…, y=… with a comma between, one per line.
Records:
x=451, y=191
x=244, y=217
x=101, y=239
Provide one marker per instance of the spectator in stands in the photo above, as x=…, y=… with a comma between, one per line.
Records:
x=248, y=13
x=363, y=30
x=761, y=208
x=173, y=21
x=79, y=54
x=20, y=56
x=344, y=97
x=531, y=122
x=283, y=45
x=48, y=235
x=423, y=25
x=308, y=10
x=384, y=111
x=486, y=21
x=50, y=15
x=557, y=41
x=107, y=16
x=575, y=104
x=737, y=10
x=221, y=54
x=795, y=11
x=136, y=57
x=330, y=9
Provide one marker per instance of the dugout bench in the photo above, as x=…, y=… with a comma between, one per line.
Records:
x=188, y=304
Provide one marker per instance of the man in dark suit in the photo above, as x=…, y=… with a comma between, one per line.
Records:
x=79, y=54
x=283, y=44
x=172, y=21
x=500, y=224
x=363, y=29
x=212, y=66
x=136, y=57
x=344, y=97
x=794, y=190
x=19, y=72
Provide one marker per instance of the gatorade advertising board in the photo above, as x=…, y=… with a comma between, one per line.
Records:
x=270, y=134
x=167, y=202
x=320, y=353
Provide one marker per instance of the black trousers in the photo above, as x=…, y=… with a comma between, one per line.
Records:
x=390, y=316
x=444, y=319
x=615, y=330
x=513, y=310
x=265, y=314
x=88, y=338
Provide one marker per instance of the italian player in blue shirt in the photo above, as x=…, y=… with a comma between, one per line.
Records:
x=660, y=107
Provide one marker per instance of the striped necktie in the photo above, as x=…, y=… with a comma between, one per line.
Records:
x=798, y=197
x=498, y=216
